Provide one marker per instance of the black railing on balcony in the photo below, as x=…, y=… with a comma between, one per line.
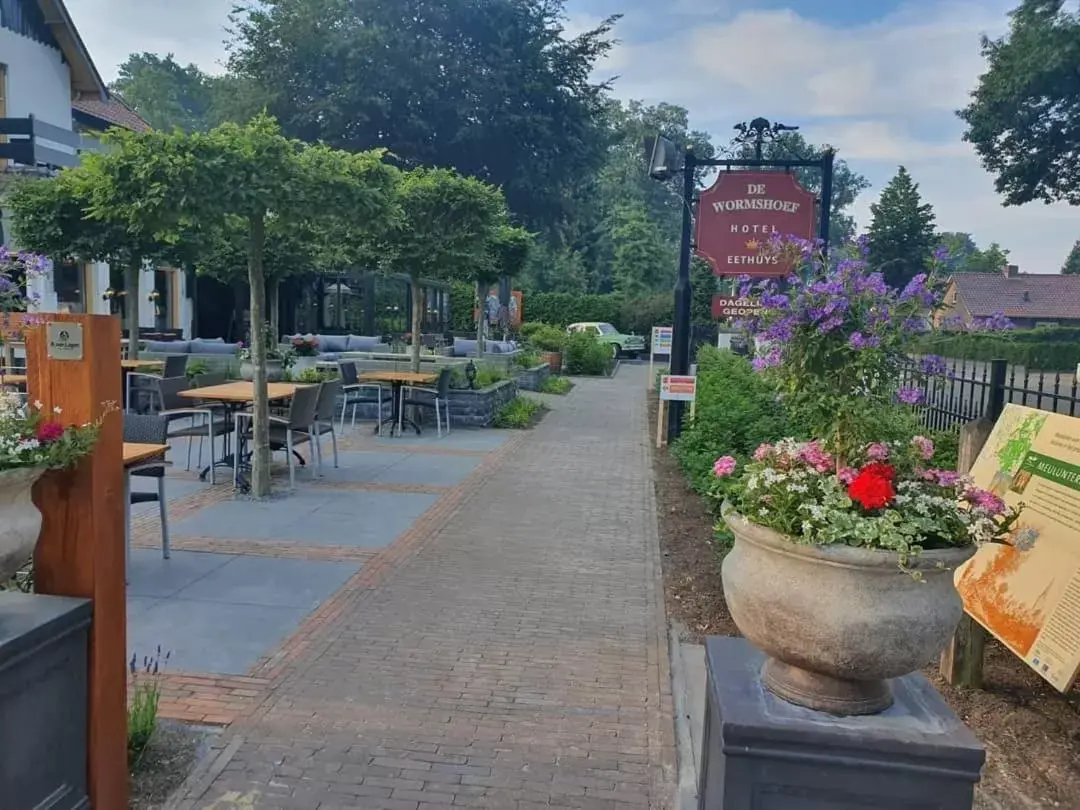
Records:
x=33, y=142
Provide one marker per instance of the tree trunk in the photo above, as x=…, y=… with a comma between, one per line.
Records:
x=237, y=330
x=481, y=318
x=273, y=288
x=417, y=321
x=132, y=271
x=260, y=459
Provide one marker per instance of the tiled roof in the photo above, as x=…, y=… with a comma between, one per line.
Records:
x=113, y=112
x=1022, y=296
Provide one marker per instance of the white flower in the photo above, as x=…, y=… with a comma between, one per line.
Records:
x=763, y=512
x=39, y=404
x=57, y=409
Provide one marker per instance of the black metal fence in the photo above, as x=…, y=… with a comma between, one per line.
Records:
x=959, y=391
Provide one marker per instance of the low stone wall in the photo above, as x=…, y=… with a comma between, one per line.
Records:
x=478, y=408
x=530, y=379
x=467, y=408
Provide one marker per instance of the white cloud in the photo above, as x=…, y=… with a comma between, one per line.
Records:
x=874, y=91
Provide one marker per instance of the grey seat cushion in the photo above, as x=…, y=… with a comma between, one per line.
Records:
x=364, y=343
x=167, y=346
x=464, y=347
x=215, y=346
x=333, y=343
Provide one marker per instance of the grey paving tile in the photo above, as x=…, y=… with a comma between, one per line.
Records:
x=175, y=488
x=457, y=439
x=429, y=470
x=271, y=581
x=357, y=467
x=150, y=575
x=248, y=519
x=211, y=636
x=139, y=604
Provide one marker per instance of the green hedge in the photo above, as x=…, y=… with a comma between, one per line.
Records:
x=1047, y=349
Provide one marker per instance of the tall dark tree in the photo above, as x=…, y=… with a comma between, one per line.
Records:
x=1024, y=115
x=902, y=233
x=959, y=247
x=991, y=260
x=491, y=88
x=169, y=95
x=1072, y=262
x=847, y=183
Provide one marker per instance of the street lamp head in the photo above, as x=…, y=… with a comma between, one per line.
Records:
x=662, y=156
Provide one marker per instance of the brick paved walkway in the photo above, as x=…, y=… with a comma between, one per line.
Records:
x=509, y=651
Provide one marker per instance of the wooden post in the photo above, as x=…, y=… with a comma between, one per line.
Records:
x=962, y=660
x=661, y=422
x=81, y=548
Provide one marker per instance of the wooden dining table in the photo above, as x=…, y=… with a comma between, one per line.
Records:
x=397, y=381
x=134, y=452
x=135, y=365
x=12, y=379
x=234, y=396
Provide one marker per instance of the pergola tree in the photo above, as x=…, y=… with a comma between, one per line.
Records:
x=448, y=223
x=1024, y=114
x=62, y=217
x=255, y=174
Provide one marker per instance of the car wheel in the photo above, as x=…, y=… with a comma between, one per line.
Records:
x=614, y=351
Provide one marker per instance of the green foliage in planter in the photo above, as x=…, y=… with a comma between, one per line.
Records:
x=462, y=301
x=544, y=337
x=195, y=368
x=518, y=413
x=584, y=354
x=527, y=359
x=737, y=410
x=1043, y=349
x=556, y=385
x=487, y=374
x=314, y=374
x=946, y=448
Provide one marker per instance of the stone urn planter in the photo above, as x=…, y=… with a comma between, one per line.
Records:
x=836, y=622
x=302, y=364
x=20, y=520
x=275, y=371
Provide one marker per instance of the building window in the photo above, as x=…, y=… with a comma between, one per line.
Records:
x=70, y=284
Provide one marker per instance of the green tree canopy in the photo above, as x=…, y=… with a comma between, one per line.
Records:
x=643, y=260
x=1072, y=261
x=448, y=226
x=1024, y=114
x=902, y=236
x=493, y=88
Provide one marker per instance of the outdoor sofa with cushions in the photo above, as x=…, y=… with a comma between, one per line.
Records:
x=214, y=353
x=463, y=347
x=331, y=347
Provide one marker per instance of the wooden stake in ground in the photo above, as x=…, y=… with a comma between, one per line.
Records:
x=962, y=660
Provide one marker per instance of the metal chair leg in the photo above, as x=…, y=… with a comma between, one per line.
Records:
x=344, y=405
x=292, y=463
x=438, y=420
x=163, y=505
x=333, y=444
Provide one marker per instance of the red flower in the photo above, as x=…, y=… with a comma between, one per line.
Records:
x=872, y=487
x=49, y=432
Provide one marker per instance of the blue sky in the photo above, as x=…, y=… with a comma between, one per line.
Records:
x=878, y=79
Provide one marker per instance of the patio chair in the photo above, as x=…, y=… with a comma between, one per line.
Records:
x=203, y=421
x=211, y=378
x=140, y=382
x=354, y=394
x=285, y=432
x=325, y=414
x=437, y=399
x=148, y=429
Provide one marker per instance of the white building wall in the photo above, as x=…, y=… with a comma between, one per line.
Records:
x=39, y=82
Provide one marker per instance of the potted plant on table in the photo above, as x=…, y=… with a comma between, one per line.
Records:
x=845, y=545
x=304, y=350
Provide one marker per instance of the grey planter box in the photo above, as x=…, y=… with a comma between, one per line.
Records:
x=44, y=642
x=531, y=379
x=478, y=408
x=467, y=408
x=761, y=753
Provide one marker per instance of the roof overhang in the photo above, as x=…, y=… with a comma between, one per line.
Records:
x=85, y=78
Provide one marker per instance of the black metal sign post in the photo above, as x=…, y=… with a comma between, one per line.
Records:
x=757, y=132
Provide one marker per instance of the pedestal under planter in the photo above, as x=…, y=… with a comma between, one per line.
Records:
x=43, y=701
x=837, y=622
x=275, y=371
x=762, y=753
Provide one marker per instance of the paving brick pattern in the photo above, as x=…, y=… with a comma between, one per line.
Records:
x=508, y=651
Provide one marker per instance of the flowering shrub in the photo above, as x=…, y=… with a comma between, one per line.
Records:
x=30, y=437
x=885, y=496
x=16, y=269
x=305, y=347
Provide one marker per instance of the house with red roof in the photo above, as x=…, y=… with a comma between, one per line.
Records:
x=53, y=105
x=1027, y=299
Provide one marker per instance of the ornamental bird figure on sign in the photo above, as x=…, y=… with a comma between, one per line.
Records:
x=738, y=214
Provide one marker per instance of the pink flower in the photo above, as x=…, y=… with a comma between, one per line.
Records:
x=943, y=478
x=815, y=456
x=847, y=474
x=762, y=452
x=724, y=466
x=877, y=451
x=49, y=432
x=984, y=500
x=924, y=446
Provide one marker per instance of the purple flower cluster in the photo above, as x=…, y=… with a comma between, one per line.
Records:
x=16, y=269
x=908, y=395
x=997, y=322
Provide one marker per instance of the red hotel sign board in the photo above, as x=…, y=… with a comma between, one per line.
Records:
x=741, y=210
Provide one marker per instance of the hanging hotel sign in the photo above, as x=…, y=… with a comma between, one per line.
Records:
x=741, y=210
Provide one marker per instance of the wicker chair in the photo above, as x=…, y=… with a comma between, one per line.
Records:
x=285, y=432
x=354, y=394
x=147, y=429
x=325, y=413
